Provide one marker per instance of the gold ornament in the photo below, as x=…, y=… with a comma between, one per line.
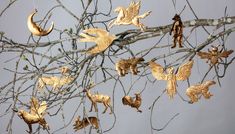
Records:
x=130, y=15
x=65, y=70
x=98, y=98
x=101, y=37
x=36, y=114
x=127, y=100
x=183, y=73
x=177, y=29
x=214, y=55
x=80, y=124
x=194, y=91
x=36, y=29
x=124, y=65
x=55, y=82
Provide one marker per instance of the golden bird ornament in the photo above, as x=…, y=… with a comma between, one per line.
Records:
x=101, y=37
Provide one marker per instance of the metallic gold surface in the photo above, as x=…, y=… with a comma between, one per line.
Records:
x=214, y=55
x=36, y=29
x=130, y=15
x=36, y=114
x=98, y=98
x=183, y=73
x=55, y=82
x=101, y=37
x=124, y=65
x=194, y=91
x=127, y=100
x=80, y=124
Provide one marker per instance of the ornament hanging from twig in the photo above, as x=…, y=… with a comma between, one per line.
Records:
x=128, y=100
x=130, y=15
x=80, y=124
x=101, y=37
x=124, y=65
x=36, y=29
x=55, y=82
x=36, y=114
x=183, y=73
x=214, y=55
x=98, y=98
x=194, y=91
x=177, y=29
x=65, y=70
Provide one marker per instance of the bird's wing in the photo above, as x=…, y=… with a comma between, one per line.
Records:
x=184, y=70
x=34, y=106
x=157, y=71
x=132, y=11
x=225, y=53
x=42, y=107
x=204, y=55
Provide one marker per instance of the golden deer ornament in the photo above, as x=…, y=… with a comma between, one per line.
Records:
x=80, y=124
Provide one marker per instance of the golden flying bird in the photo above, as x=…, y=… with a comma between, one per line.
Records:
x=36, y=29
x=130, y=15
x=183, y=73
x=101, y=37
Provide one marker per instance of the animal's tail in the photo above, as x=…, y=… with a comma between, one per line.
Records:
x=126, y=100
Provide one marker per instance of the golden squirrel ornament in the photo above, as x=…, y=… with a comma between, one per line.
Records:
x=99, y=98
x=183, y=73
x=101, y=37
x=80, y=124
x=194, y=91
x=124, y=65
x=36, y=114
x=214, y=55
x=54, y=81
x=128, y=100
x=36, y=29
x=177, y=29
x=129, y=15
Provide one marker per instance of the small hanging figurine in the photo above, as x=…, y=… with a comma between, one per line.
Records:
x=36, y=29
x=101, y=37
x=55, y=82
x=183, y=73
x=98, y=98
x=194, y=91
x=127, y=100
x=80, y=124
x=36, y=114
x=65, y=70
x=177, y=29
x=130, y=15
x=214, y=55
x=123, y=65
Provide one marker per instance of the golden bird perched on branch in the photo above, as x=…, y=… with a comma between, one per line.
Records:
x=101, y=37
x=183, y=73
x=129, y=15
x=36, y=114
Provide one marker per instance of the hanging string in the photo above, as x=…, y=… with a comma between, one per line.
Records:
x=34, y=5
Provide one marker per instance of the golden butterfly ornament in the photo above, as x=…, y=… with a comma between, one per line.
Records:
x=170, y=76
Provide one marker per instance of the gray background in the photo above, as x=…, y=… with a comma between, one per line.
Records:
x=214, y=116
